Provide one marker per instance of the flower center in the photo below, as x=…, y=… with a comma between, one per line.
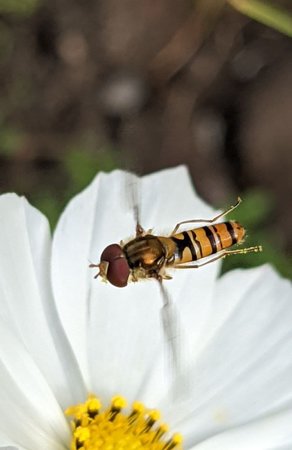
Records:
x=113, y=429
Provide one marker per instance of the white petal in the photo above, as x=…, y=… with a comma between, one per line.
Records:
x=244, y=369
x=5, y=444
x=76, y=229
x=30, y=414
x=127, y=345
x=101, y=215
x=10, y=447
x=25, y=295
x=271, y=433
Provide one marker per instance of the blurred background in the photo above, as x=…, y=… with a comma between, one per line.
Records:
x=94, y=85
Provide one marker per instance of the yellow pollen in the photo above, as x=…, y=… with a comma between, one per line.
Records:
x=95, y=428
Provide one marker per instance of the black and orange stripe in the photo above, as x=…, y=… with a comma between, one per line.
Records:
x=205, y=241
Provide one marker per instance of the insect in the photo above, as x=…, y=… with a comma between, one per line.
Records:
x=149, y=256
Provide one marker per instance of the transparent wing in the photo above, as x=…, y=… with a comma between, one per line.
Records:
x=169, y=316
x=172, y=331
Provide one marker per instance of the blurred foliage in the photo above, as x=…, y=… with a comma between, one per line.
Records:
x=51, y=206
x=10, y=140
x=255, y=214
x=83, y=166
x=270, y=15
x=80, y=168
x=18, y=7
x=6, y=42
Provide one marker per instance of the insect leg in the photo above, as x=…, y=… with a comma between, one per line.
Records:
x=92, y=266
x=222, y=254
x=139, y=230
x=224, y=213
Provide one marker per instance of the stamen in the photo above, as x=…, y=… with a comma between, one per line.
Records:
x=112, y=428
x=173, y=442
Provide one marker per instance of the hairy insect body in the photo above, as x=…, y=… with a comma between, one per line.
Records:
x=149, y=256
x=144, y=251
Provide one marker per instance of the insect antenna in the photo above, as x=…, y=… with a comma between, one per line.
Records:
x=92, y=265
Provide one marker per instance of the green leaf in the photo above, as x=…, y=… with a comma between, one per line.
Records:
x=20, y=7
x=49, y=205
x=82, y=166
x=254, y=209
x=10, y=140
x=267, y=14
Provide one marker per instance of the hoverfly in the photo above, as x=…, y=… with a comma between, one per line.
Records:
x=149, y=256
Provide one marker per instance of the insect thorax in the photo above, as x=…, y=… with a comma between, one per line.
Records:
x=145, y=252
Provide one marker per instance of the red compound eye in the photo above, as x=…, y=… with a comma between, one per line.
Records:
x=118, y=270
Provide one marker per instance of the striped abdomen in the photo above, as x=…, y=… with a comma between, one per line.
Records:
x=201, y=242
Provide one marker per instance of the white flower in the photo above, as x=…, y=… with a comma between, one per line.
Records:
x=64, y=335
